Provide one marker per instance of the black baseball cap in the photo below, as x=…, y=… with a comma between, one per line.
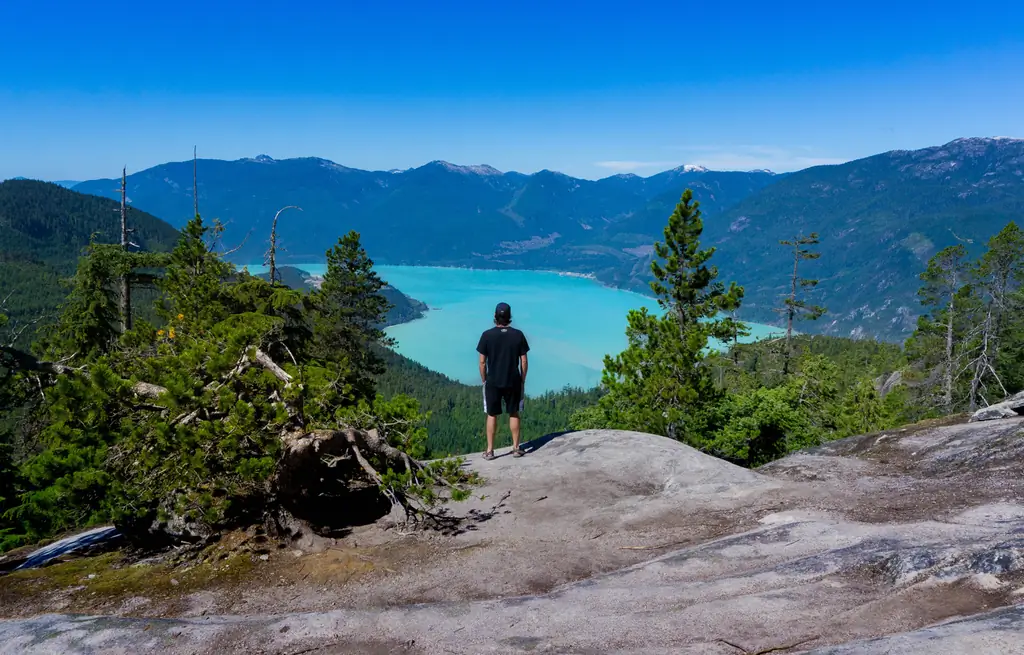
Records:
x=503, y=310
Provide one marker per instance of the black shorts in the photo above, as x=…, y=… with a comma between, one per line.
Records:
x=493, y=397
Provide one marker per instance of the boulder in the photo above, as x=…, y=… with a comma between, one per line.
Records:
x=886, y=383
x=1008, y=408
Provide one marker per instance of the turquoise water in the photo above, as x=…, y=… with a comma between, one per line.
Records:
x=570, y=322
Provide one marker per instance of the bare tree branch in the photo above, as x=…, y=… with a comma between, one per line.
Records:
x=271, y=257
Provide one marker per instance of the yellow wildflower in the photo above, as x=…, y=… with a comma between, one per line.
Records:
x=171, y=333
x=181, y=317
x=159, y=333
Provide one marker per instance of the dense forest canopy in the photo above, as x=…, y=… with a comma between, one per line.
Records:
x=43, y=230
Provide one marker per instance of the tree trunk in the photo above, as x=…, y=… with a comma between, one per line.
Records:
x=271, y=257
x=981, y=364
x=790, y=314
x=126, y=288
x=947, y=387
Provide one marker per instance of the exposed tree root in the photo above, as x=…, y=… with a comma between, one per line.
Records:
x=374, y=457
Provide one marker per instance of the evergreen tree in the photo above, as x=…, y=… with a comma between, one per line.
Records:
x=660, y=383
x=193, y=284
x=349, y=312
x=796, y=308
x=944, y=281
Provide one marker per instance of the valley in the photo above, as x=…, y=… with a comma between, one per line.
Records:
x=880, y=219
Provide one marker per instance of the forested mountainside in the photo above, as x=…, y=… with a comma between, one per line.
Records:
x=438, y=213
x=880, y=218
x=44, y=228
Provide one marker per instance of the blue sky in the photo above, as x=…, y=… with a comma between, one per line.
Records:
x=590, y=89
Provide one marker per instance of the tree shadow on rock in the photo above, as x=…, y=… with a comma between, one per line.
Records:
x=536, y=444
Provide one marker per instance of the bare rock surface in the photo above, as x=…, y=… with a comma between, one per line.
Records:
x=910, y=541
x=1009, y=408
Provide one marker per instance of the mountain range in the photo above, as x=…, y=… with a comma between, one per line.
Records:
x=879, y=218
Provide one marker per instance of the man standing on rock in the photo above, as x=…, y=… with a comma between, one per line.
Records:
x=503, y=367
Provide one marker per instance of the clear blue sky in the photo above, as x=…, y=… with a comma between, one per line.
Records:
x=589, y=89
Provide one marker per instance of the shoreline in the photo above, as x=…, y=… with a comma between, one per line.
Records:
x=549, y=271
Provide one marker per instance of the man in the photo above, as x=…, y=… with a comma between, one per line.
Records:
x=503, y=367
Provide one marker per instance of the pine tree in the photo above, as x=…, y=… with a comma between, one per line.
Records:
x=796, y=308
x=661, y=383
x=685, y=285
x=944, y=279
x=90, y=319
x=350, y=311
x=193, y=283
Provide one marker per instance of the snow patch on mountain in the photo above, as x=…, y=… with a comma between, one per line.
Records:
x=479, y=169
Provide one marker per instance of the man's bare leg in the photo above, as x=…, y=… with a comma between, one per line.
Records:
x=492, y=427
x=513, y=426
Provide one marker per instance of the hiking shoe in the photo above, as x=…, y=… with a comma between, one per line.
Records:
x=516, y=452
x=489, y=454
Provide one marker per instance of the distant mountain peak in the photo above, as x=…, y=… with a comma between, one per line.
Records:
x=548, y=171
x=985, y=139
x=762, y=170
x=263, y=159
x=327, y=163
x=626, y=176
x=479, y=169
x=690, y=168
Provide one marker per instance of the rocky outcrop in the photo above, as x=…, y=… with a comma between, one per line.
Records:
x=886, y=383
x=617, y=542
x=1009, y=408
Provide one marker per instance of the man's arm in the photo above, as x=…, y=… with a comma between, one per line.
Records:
x=524, y=347
x=481, y=347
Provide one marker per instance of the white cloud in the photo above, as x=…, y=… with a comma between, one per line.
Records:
x=628, y=166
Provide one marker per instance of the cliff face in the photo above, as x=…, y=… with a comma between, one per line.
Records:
x=618, y=542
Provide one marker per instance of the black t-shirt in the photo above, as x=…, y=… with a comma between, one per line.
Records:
x=502, y=346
